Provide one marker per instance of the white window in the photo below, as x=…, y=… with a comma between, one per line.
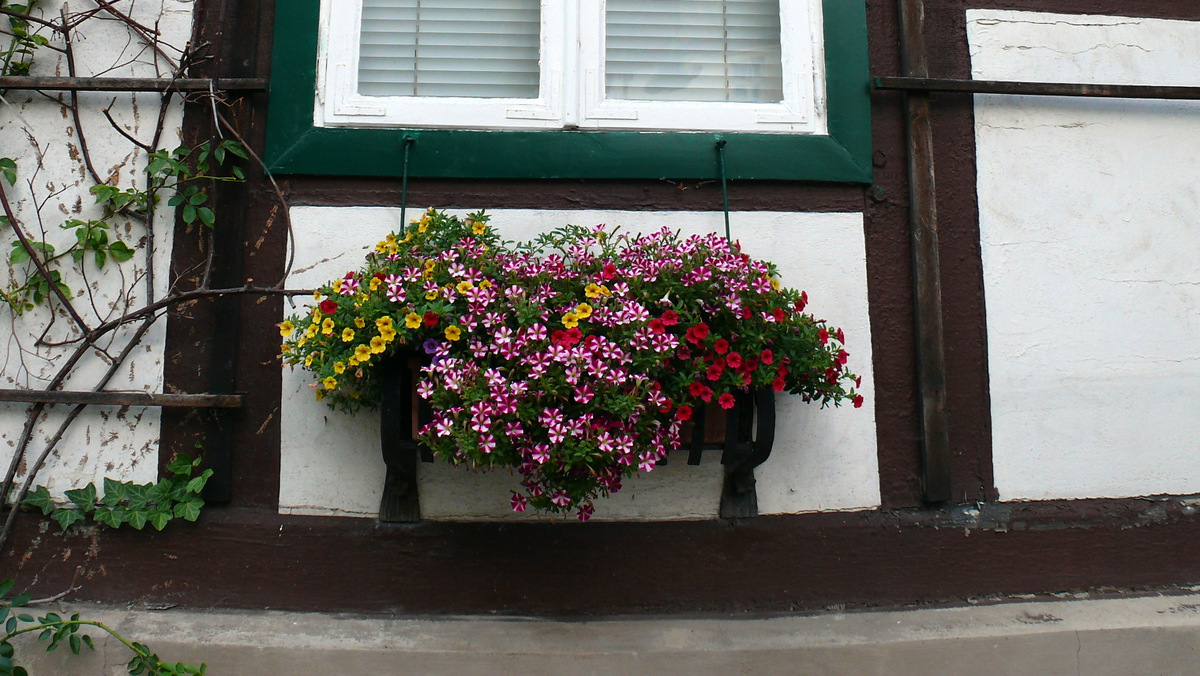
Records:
x=686, y=65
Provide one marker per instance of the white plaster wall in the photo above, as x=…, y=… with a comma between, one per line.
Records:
x=1090, y=229
x=823, y=459
x=52, y=186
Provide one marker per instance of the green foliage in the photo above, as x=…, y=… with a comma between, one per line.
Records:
x=17, y=58
x=55, y=631
x=124, y=502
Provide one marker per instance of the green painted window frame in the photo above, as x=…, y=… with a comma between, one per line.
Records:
x=295, y=146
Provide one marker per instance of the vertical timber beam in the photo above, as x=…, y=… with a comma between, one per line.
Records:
x=923, y=222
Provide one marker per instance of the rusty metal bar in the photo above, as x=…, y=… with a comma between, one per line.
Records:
x=123, y=398
x=930, y=84
x=132, y=84
x=923, y=224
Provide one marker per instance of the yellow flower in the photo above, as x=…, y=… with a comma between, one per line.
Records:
x=375, y=282
x=317, y=294
x=485, y=284
x=464, y=286
x=478, y=228
x=453, y=332
x=378, y=344
x=311, y=332
x=391, y=238
x=412, y=320
x=583, y=310
x=407, y=237
x=359, y=322
x=592, y=291
x=394, y=248
x=320, y=395
x=362, y=353
x=329, y=383
x=303, y=341
x=380, y=247
x=339, y=368
x=423, y=226
x=431, y=294
x=308, y=360
x=316, y=316
x=388, y=334
x=347, y=335
x=570, y=320
x=337, y=286
x=383, y=323
x=283, y=349
x=775, y=283
x=352, y=361
x=286, y=328
x=327, y=327
x=604, y=291
x=430, y=264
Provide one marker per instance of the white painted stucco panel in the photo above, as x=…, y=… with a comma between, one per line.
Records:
x=53, y=186
x=1090, y=230
x=823, y=460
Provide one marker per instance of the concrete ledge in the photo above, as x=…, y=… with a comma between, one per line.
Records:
x=1153, y=635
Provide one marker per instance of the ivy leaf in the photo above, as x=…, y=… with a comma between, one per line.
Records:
x=181, y=464
x=106, y=516
x=66, y=517
x=39, y=498
x=136, y=518
x=197, y=484
x=84, y=497
x=190, y=510
x=114, y=492
x=159, y=518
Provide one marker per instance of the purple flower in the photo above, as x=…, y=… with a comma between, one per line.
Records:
x=519, y=503
x=431, y=346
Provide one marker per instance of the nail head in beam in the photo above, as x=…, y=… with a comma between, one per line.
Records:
x=132, y=84
x=123, y=398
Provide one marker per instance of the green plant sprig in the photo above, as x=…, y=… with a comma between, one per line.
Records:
x=56, y=631
x=125, y=502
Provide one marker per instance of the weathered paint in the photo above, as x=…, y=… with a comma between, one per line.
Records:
x=121, y=442
x=823, y=459
x=1089, y=229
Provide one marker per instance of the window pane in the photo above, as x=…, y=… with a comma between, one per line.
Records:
x=693, y=50
x=472, y=48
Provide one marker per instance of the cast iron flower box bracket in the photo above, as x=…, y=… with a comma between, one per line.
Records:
x=745, y=448
x=749, y=436
x=400, y=502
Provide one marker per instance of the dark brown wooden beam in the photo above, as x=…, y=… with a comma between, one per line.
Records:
x=930, y=84
x=923, y=223
x=133, y=84
x=124, y=398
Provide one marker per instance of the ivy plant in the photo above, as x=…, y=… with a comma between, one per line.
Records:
x=125, y=502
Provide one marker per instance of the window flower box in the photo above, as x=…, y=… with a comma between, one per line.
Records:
x=575, y=360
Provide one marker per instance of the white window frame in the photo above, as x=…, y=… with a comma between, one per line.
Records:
x=571, y=85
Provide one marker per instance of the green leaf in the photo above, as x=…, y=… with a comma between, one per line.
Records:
x=190, y=510
x=238, y=173
x=20, y=600
x=6, y=586
x=39, y=498
x=84, y=497
x=189, y=213
x=159, y=518
x=101, y=258
x=6, y=649
x=181, y=464
x=197, y=198
x=19, y=254
x=197, y=484
x=76, y=644
x=236, y=148
x=120, y=252
x=206, y=216
x=136, y=518
x=66, y=517
x=114, y=492
x=25, y=617
x=87, y=640
x=11, y=625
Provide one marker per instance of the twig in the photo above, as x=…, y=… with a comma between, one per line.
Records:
x=37, y=262
x=128, y=137
x=83, y=146
x=51, y=599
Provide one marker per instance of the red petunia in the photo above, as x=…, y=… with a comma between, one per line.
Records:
x=666, y=406
x=841, y=356
x=747, y=313
x=733, y=360
x=726, y=401
x=684, y=413
x=328, y=306
x=658, y=326
x=858, y=401
x=670, y=318
x=721, y=346
x=803, y=302
x=431, y=319
x=778, y=384
x=696, y=388
x=767, y=357
x=841, y=336
x=697, y=333
x=609, y=272
x=714, y=371
x=823, y=336
x=779, y=314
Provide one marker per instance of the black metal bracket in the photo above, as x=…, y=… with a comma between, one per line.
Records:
x=743, y=452
x=400, y=502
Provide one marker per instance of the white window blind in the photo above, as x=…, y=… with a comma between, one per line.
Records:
x=450, y=48
x=693, y=50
